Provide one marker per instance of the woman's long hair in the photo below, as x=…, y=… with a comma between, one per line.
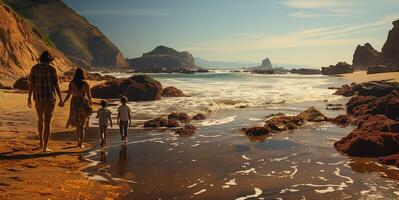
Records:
x=79, y=78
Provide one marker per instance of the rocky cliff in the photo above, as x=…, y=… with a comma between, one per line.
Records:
x=390, y=50
x=163, y=59
x=71, y=33
x=365, y=56
x=21, y=45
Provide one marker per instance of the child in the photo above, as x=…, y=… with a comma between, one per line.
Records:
x=104, y=115
x=123, y=117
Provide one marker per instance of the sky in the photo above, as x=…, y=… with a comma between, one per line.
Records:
x=311, y=33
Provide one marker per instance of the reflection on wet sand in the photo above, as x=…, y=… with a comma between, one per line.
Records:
x=220, y=162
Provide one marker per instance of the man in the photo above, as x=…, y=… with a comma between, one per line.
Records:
x=43, y=83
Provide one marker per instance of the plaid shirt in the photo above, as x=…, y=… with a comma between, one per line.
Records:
x=44, y=79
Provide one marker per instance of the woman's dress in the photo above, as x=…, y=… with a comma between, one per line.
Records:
x=80, y=109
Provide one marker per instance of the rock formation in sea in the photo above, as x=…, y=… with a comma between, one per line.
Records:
x=390, y=50
x=164, y=59
x=339, y=68
x=21, y=45
x=266, y=64
x=135, y=88
x=69, y=32
x=364, y=57
x=172, y=92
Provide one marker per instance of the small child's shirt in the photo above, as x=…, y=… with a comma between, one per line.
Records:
x=103, y=114
x=124, y=112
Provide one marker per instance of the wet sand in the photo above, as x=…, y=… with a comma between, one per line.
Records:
x=220, y=162
x=26, y=173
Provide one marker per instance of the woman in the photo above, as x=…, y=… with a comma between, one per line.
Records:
x=80, y=109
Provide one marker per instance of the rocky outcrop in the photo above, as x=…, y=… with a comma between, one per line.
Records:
x=390, y=160
x=339, y=68
x=390, y=50
x=71, y=33
x=382, y=69
x=199, y=116
x=182, y=117
x=345, y=90
x=172, y=92
x=257, y=131
x=306, y=71
x=187, y=131
x=266, y=64
x=21, y=45
x=375, y=112
x=377, y=136
x=364, y=57
x=21, y=84
x=262, y=71
x=164, y=59
x=135, y=88
x=343, y=120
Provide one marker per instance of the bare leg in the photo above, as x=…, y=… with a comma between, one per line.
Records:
x=121, y=129
x=46, y=132
x=82, y=136
x=40, y=121
x=78, y=136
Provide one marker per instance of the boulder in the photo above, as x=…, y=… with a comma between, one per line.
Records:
x=182, y=117
x=364, y=57
x=172, y=92
x=390, y=160
x=187, y=131
x=339, y=68
x=135, y=88
x=157, y=122
x=345, y=90
x=283, y=123
x=368, y=105
x=377, y=136
x=257, y=131
x=343, y=120
x=376, y=88
x=306, y=71
x=173, y=123
x=199, y=116
x=312, y=115
x=21, y=84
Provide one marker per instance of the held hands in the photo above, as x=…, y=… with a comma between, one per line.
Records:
x=29, y=102
x=61, y=104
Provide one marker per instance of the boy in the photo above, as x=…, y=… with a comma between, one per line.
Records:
x=123, y=117
x=104, y=115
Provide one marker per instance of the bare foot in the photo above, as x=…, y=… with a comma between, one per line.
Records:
x=47, y=150
x=82, y=146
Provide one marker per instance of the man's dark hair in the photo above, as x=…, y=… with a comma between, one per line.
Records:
x=124, y=99
x=104, y=103
x=46, y=57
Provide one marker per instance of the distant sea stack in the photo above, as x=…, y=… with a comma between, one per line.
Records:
x=365, y=56
x=266, y=64
x=71, y=33
x=390, y=50
x=22, y=44
x=163, y=59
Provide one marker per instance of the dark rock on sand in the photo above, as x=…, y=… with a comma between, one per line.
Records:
x=199, y=116
x=257, y=131
x=339, y=68
x=21, y=84
x=376, y=88
x=283, y=123
x=187, y=130
x=343, y=120
x=382, y=69
x=135, y=88
x=306, y=71
x=390, y=160
x=345, y=90
x=173, y=123
x=182, y=117
x=377, y=136
x=312, y=115
x=157, y=122
x=172, y=92
x=368, y=105
x=365, y=56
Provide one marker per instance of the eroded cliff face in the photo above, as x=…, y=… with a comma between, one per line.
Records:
x=70, y=32
x=365, y=56
x=21, y=45
x=390, y=50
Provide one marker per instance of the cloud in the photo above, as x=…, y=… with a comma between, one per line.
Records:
x=320, y=8
x=131, y=12
x=317, y=37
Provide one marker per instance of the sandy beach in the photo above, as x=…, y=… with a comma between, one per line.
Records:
x=362, y=76
x=25, y=172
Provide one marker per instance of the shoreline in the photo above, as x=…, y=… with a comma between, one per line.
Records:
x=362, y=76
